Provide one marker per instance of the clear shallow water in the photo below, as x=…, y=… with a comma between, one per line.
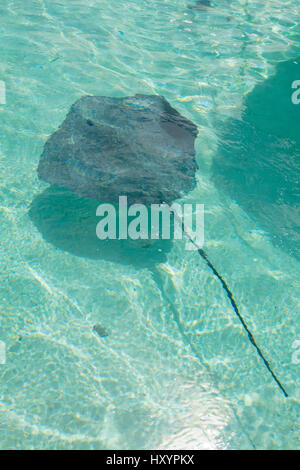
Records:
x=142, y=386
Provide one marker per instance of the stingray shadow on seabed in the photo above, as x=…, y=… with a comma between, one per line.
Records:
x=69, y=222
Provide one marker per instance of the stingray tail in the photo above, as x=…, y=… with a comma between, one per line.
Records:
x=244, y=324
x=229, y=294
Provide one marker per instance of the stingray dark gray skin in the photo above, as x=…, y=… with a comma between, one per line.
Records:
x=136, y=146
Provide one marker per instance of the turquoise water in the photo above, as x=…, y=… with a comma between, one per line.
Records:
x=177, y=369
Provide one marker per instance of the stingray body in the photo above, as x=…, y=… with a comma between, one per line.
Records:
x=258, y=158
x=135, y=146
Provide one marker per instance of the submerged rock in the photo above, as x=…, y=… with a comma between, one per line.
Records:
x=100, y=330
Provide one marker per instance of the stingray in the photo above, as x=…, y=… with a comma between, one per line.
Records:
x=258, y=159
x=137, y=146
x=68, y=222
